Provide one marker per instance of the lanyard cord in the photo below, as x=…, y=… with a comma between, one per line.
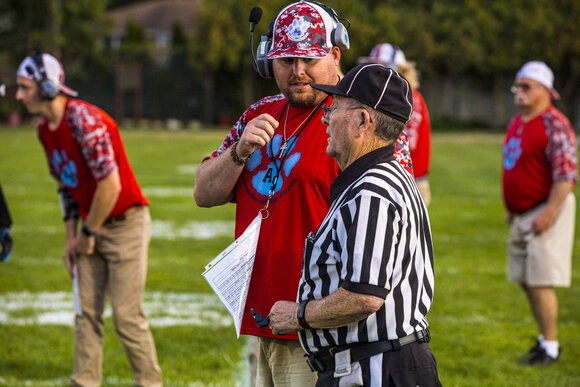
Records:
x=283, y=156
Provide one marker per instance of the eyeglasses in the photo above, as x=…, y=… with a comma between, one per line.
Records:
x=524, y=86
x=327, y=110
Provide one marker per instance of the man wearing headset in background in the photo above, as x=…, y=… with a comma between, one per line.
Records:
x=86, y=156
x=274, y=161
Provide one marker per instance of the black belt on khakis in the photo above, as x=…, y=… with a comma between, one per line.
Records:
x=324, y=360
x=123, y=216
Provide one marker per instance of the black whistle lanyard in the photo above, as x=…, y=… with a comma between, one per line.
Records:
x=290, y=143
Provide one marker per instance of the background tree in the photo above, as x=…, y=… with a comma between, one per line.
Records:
x=451, y=39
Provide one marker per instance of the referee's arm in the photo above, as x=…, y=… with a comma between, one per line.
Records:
x=338, y=309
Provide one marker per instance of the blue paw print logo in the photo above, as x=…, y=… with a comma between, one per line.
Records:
x=298, y=30
x=512, y=152
x=66, y=168
x=263, y=179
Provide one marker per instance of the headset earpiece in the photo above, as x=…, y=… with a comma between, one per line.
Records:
x=46, y=88
x=340, y=38
x=264, y=66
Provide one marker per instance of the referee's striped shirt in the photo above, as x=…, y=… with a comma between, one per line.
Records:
x=375, y=240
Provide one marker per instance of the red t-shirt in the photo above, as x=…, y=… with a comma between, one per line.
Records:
x=536, y=154
x=419, y=131
x=300, y=200
x=84, y=149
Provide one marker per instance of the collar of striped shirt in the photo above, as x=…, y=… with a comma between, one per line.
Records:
x=358, y=167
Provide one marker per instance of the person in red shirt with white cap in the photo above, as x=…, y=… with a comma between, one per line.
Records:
x=539, y=177
x=108, y=254
x=418, y=129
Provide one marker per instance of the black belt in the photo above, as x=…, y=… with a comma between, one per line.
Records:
x=123, y=216
x=324, y=360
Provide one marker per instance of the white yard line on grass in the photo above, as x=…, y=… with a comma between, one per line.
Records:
x=164, y=229
x=187, y=169
x=163, y=309
x=168, y=192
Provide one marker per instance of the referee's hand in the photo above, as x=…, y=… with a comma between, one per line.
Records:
x=283, y=318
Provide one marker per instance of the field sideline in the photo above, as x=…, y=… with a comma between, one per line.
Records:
x=480, y=323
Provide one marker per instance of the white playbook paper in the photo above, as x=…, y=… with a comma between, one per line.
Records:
x=230, y=272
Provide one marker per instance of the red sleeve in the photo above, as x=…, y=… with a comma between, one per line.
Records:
x=419, y=131
x=561, y=150
x=92, y=134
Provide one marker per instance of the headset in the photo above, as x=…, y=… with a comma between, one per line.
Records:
x=260, y=62
x=47, y=89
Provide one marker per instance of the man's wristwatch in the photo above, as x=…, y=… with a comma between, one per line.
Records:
x=87, y=231
x=300, y=314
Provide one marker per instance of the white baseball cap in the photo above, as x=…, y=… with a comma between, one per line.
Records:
x=539, y=72
x=386, y=54
x=53, y=71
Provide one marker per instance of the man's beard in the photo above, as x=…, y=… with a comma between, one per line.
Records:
x=302, y=100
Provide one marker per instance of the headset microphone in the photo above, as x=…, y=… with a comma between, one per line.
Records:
x=255, y=16
x=262, y=65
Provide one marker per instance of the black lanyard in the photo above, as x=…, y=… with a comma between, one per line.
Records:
x=286, y=151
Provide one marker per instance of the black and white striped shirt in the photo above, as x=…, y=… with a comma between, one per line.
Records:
x=375, y=240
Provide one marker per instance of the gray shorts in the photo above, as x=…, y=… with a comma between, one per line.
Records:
x=544, y=259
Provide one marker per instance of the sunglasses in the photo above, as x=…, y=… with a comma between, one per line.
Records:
x=524, y=86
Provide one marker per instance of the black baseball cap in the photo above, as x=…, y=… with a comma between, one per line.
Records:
x=374, y=85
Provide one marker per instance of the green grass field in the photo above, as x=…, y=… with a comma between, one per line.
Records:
x=481, y=324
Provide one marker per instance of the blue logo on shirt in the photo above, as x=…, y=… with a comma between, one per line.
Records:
x=264, y=179
x=65, y=168
x=512, y=152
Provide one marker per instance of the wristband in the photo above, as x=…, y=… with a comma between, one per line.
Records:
x=87, y=231
x=236, y=158
x=300, y=314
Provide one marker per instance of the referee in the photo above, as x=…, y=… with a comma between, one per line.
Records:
x=367, y=280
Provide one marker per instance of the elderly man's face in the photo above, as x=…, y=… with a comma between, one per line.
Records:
x=341, y=127
x=294, y=76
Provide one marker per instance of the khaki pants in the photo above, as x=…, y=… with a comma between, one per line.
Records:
x=118, y=265
x=281, y=363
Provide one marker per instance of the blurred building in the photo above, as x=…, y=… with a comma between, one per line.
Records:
x=157, y=18
x=153, y=90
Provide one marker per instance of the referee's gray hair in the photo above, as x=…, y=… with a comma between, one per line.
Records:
x=386, y=127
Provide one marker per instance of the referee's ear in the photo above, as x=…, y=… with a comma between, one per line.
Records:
x=364, y=120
